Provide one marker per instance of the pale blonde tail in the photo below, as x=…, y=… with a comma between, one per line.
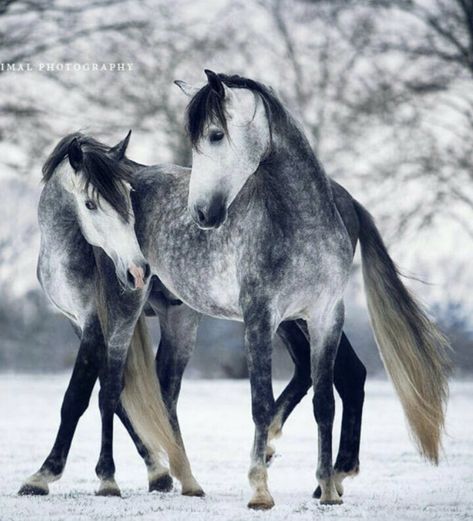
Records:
x=412, y=348
x=142, y=400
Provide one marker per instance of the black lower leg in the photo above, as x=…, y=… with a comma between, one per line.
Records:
x=111, y=382
x=75, y=402
x=349, y=379
x=324, y=347
x=299, y=350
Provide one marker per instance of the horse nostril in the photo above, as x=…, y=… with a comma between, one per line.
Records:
x=201, y=215
x=147, y=270
x=130, y=278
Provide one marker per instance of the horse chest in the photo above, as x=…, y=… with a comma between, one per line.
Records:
x=211, y=288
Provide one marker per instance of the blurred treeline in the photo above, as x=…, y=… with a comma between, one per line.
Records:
x=383, y=88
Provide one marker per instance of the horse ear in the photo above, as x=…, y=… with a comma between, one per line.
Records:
x=189, y=90
x=118, y=151
x=75, y=155
x=215, y=83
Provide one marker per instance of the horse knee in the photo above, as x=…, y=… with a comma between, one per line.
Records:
x=262, y=412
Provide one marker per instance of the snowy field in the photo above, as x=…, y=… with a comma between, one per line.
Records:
x=215, y=415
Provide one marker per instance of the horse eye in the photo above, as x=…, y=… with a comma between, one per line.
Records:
x=216, y=135
x=90, y=205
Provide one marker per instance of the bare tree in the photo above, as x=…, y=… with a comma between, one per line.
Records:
x=416, y=88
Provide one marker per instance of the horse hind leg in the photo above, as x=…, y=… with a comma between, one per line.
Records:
x=159, y=479
x=179, y=326
x=299, y=350
x=325, y=331
x=349, y=379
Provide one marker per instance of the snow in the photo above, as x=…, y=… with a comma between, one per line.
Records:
x=394, y=482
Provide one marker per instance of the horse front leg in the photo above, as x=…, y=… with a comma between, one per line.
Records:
x=75, y=402
x=111, y=380
x=258, y=342
x=325, y=331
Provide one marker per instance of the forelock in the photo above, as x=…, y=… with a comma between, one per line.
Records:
x=100, y=175
x=209, y=107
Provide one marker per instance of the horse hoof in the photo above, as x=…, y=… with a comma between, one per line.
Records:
x=109, y=492
x=33, y=490
x=318, y=491
x=162, y=484
x=260, y=505
x=338, y=501
x=197, y=492
x=108, y=489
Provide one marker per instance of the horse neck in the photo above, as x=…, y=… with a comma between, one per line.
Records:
x=293, y=168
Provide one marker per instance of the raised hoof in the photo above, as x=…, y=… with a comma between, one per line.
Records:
x=162, y=484
x=338, y=501
x=33, y=490
x=261, y=503
x=198, y=492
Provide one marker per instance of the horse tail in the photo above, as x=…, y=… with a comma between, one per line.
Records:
x=412, y=348
x=141, y=397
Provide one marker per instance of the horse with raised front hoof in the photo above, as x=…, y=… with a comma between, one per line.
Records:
x=263, y=202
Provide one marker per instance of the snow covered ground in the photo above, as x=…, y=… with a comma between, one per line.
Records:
x=215, y=415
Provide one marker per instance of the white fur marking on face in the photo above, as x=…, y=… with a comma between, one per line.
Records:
x=104, y=227
x=222, y=168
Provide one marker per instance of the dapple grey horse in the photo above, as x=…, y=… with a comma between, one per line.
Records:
x=87, y=201
x=273, y=246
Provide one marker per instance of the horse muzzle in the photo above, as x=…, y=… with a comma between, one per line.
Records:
x=210, y=215
x=137, y=275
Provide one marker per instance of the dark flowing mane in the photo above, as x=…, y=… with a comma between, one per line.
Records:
x=207, y=105
x=105, y=174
